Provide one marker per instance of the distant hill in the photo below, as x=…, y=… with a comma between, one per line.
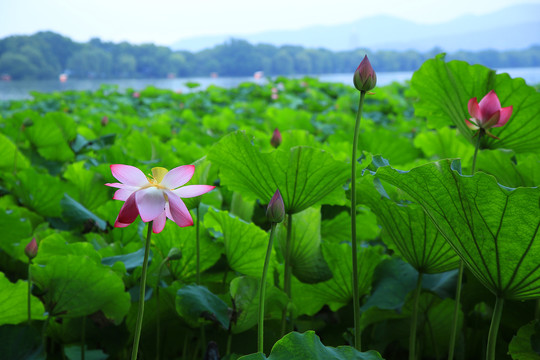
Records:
x=515, y=27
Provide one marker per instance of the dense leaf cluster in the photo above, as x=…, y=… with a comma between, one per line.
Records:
x=45, y=55
x=57, y=149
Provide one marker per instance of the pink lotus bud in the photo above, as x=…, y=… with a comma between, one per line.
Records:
x=274, y=96
x=104, y=121
x=31, y=249
x=364, y=78
x=488, y=113
x=275, y=212
x=275, y=141
x=136, y=95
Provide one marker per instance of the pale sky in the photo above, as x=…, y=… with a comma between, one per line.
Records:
x=166, y=21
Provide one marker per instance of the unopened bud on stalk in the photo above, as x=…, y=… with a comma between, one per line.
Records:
x=276, y=138
x=364, y=78
x=275, y=212
x=31, y=249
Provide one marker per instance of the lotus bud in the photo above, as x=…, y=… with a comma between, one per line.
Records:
x=275, y=212
x=276, y=138
x=174, y=254
x=364, y=78
x=31, y=249
x=104, y=121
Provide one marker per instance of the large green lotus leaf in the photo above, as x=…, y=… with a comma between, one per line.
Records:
x=51, y=134
x=379, y=140
x=11, y=157
x=245, y=293
x=75, y=286
x=195, y=303
x=16, y=230
x=78, y=214
x=21, y=342
x=521, y=170
x=408, y=230
x=13, y=302
x=305, y=176
x=445, y=88
x=494, y=229
x=55, y=244
x=307, y=262
x=443, y=143
x=74, y=353
x=393, y=279
x=338, y=228
x=245, y=243
x=200, y=176
x=297, y=346
x=521, y=346
x=88, y=186
x=130, y=261
x=38, y=191
x=436, y=318
x=184, y=239
x=337, y=292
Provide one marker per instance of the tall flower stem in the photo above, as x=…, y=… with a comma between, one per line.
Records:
x=494, y=328
x=356, y=298
x=414, y=318
x=158, y=325
x=453, y=333
x=83, y=338
x=287, y=276
x=478, y=140
x=198, y=271
x=198, y=245
x=29, y=293
x=262, y=289
x=138, y=325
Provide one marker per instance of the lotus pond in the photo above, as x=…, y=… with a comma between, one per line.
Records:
x=442, y=212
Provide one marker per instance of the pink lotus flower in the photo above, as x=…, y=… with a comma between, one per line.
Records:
x=488, y=113
x=155, y=198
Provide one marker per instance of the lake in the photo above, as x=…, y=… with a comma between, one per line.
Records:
x=15, y=90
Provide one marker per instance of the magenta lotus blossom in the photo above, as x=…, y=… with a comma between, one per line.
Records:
x=155, y=198
x=488, y=113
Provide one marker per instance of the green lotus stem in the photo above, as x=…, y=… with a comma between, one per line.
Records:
x=83, y=337
x=158, y=325
x=356, y=297
x=414, y=318
x=29, y=293
x=287, y=276
x=138, y=325
x=198, y=245
x=453, y=332
x=262, y=289
x=494, y=328
x=229, y=343
x=480, y=134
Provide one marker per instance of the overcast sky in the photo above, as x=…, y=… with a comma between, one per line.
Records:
x=166, y=21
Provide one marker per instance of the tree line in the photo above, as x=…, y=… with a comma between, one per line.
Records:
x=45, y=55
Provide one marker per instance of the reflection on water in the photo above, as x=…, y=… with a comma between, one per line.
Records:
x=11, y=90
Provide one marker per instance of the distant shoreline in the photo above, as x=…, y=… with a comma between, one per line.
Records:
x=20, y=90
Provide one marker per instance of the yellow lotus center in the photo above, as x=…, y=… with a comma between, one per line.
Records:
x=158, y=173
